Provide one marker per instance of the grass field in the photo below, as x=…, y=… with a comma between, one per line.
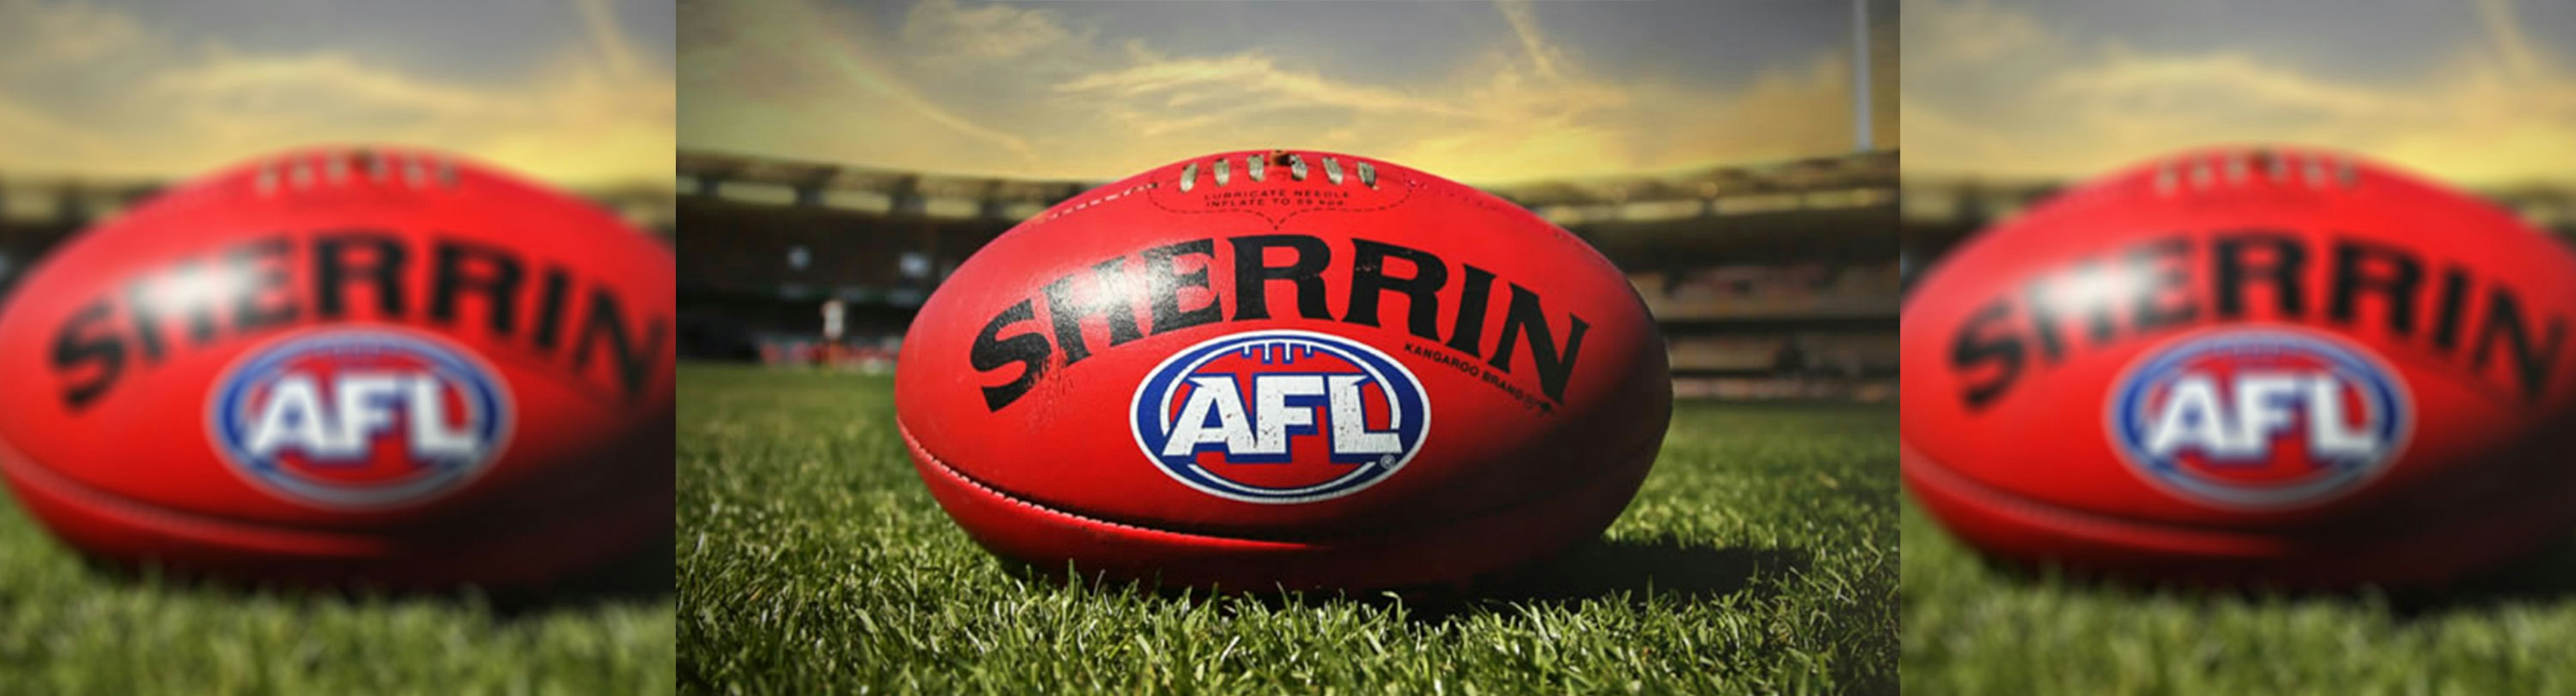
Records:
x=69, y=628
x=1760, y=557
x=1975, y=629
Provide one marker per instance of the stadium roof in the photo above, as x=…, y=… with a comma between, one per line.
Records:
x=1792, y=183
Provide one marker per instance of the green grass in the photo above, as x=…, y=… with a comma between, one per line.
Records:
x=1971, y=628
x=1759, y=558
x=69, y=628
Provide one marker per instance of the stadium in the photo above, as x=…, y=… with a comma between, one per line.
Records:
x=843, y=164
x=1775, y=285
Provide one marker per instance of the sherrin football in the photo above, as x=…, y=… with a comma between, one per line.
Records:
x=366, y=367
x=2261, y=366
x=1286, y=369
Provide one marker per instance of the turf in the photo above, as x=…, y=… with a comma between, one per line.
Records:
x=68, y=627
x=1972, y=627
x=1759, y=558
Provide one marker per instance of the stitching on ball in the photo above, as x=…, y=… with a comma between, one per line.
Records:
x=2202, y=171
x=923, y=451
x=37, y=476
x=1959, y=484
x=1283, y=220
x=1103, y=200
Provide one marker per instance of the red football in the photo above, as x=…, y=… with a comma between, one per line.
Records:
x=378, y=367
x=1283, y=369
x=2266, y=366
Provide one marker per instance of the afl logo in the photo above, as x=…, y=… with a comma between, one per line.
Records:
x=2259, y=419
x=1280, y=416
x=359, y=419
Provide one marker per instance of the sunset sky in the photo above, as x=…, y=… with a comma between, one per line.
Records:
x=1477, y=91
x=2478, y=91
x=582, y=91
x=577, y=91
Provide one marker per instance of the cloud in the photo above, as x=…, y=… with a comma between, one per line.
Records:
x=1245, y=83
x=1996, y=92
x=1543, y=56
x=785, y=79
x=1973, y=32
x=1038, y=91
x=992, y=32
x=253, y=91
x=89, y=92
x=2515, y=51
x=66, y=34
x=600, y=20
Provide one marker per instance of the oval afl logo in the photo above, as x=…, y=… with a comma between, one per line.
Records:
x=2259, y=419
x=1280, y=416
x=359, y=418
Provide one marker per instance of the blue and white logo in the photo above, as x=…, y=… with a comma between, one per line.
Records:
x=2259, y=418
x=351, y=418
x=1280, y=416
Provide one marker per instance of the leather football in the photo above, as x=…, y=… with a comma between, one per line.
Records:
x=1283, y=369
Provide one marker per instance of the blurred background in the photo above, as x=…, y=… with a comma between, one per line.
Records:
x=104, y=102
x=1738, y=160
x=2006, y=101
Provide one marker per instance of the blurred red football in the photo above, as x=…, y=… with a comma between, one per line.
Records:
x=2261, y=366
x=1283, y=369
x=378, y=367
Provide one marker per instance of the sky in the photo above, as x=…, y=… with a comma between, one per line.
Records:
x=1477, y=91
x=580, y=92
x=2481, y=92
